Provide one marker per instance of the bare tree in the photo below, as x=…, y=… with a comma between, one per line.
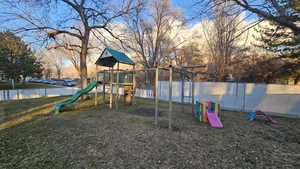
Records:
x=77, y=18
x=47, y=71
x=69, y=51
x=189, y=54
x=58, y=64
x=221, y=37
x=151, y=34
x=52, y=61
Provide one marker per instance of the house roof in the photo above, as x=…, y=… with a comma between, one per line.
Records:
x=109, y=57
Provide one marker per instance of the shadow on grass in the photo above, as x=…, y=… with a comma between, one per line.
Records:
x=13, y=117
x=37, y=109
x=28, y=115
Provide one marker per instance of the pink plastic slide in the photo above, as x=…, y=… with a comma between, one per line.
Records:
x=214, y=120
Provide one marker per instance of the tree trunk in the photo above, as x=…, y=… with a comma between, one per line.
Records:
x=83, y=67
x=296, y=80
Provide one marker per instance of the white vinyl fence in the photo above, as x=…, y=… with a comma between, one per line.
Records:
x=279, y=99
x=35, y=93
x=272, y=98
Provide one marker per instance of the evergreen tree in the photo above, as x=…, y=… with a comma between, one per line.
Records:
x=16, y=58
x=283, y=43
x=279, y=40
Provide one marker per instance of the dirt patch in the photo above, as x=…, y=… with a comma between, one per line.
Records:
x=150, y=112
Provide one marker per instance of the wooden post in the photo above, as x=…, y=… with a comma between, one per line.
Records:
x=117, y=86
x=133, y=85
x=182, y=88
x=111, y=88
x=96, y=94
x=170, y=97
x=103, y=87
x=156, y=96
x=193, y=95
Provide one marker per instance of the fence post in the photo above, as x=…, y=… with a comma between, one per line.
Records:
x=18, y=97
x=2, y=114
x=45, y=92
x=8, y=94
x=3, y=94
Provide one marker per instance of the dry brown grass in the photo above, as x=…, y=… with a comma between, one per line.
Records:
x=85, y=136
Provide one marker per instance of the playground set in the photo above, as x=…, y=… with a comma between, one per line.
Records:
x=113, y=78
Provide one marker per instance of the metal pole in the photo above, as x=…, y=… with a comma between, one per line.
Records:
x=8, y=95
x=244, y=98
x=193, y=95
x=182, y=92
x=156, y=97
x=170, y=97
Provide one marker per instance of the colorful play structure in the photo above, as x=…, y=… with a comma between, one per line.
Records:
x=208, y=112
x=268, y=118
x=112, y=78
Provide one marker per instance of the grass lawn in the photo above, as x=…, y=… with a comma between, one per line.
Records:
x=85, y=136
x=7, y=85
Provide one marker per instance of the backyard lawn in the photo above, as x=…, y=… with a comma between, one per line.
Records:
x=7, y=85
x=85, y=136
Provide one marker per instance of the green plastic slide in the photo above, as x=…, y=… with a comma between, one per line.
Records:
x=75, y=96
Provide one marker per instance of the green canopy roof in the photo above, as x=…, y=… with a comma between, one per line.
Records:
x=109, y=57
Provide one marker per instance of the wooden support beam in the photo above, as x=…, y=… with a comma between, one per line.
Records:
x=170, y=98
x=133, y=85
x=156, y=96
x=117, y=86
x=191, y=67
x=145, y=70
x=182, y=89
x=122, y=84
x=103, y=88
x=111, y=89
x=96, y=94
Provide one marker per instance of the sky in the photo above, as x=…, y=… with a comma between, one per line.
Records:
x=184, y=5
